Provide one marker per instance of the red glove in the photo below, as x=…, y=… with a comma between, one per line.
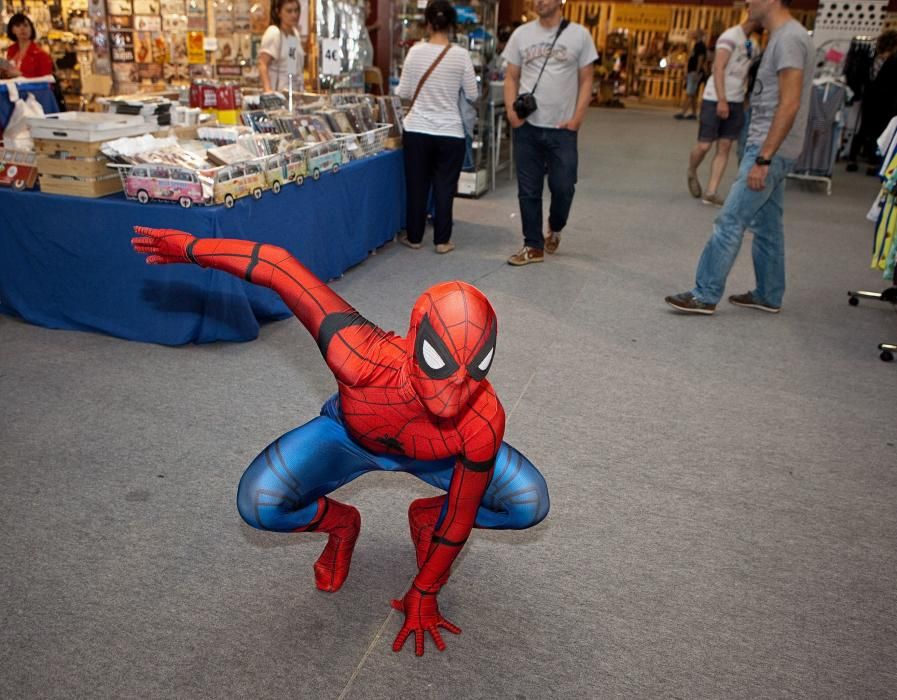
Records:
x=421, y=614
x=162, y=245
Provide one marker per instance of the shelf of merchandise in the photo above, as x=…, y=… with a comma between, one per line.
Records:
x=476, y=31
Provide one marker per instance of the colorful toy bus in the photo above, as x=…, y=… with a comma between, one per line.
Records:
x=165, y=183
x=239, y=180
x=328, y=155
x=285, y=167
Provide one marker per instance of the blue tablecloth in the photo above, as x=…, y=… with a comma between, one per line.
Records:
x=42, y=91
x=67, y=262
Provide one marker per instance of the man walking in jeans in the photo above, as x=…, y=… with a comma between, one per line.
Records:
x=779, y=107
x=546, y=138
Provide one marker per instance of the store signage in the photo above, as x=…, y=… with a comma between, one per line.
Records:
x=228, y=70
x=652, y=18
x=331, y=57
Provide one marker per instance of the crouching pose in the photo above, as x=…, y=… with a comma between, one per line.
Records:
x=419, y=404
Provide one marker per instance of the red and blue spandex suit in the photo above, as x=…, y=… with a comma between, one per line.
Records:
x=419, y=404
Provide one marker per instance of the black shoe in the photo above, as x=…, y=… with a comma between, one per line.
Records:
x=687, y=303
x=750, y=301
x=852, y=167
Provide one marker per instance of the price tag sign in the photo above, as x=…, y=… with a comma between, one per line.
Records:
x=331, y=57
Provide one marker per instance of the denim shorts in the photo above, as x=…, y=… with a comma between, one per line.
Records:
x=712, y=127
x=692, y=83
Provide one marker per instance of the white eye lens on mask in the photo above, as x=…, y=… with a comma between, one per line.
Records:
x=431, y=357
x=484, y=365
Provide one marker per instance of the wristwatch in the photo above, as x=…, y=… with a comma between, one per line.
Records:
x=760, y=160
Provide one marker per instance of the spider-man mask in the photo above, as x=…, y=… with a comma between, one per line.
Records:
x=452, y=333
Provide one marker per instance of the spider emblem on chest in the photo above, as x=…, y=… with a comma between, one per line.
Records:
x=391, y=443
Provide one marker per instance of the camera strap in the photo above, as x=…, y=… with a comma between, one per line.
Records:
x=427, y=75
x=564, y=23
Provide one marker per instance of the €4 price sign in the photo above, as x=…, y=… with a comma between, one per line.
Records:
x=331, y=57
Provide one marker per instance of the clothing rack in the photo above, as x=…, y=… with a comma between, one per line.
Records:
x=884, y=248
x=825, y=122
x=857, y=72
x=829, y=98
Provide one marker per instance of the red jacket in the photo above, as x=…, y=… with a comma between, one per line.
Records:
x=36, y=62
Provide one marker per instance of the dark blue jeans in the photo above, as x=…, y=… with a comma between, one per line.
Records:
x=536, y=151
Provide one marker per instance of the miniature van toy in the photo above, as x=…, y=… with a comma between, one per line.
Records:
x=328, y=155
x=165, y=183
x=239, y=180
x=283, y=168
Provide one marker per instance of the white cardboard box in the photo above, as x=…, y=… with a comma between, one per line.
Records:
x=87, y=126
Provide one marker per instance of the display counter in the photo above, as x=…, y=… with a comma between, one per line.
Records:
x=67, y=262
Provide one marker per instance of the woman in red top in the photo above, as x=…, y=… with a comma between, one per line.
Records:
x=25, y=57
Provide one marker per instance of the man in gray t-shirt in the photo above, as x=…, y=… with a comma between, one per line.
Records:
x=545, y=139
x=779, y=105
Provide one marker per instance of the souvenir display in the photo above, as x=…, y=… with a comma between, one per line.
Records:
x=270, y=147
x=18, y=169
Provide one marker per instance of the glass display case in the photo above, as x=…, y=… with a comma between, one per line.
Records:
x=476, y=31
x=343, y=21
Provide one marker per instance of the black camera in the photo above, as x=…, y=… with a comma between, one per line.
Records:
x=525, y=104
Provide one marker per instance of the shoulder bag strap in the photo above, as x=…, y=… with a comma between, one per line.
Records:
x=427, y=75
x=564, y=23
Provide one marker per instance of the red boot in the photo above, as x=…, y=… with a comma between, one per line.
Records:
x=422, y=516
x=343, y=523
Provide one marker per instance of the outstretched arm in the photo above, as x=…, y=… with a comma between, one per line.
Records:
x=321, y=310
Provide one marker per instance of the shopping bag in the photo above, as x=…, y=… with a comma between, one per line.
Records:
x=17, y=133
x=468, y=111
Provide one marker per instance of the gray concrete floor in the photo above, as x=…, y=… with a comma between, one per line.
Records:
x=723, y=489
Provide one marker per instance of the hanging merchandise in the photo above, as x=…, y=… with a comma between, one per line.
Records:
x=883, y=249
x=196, y=15
x=340, y=28
x=196, y=53
x=884, y=242
x=825, y=124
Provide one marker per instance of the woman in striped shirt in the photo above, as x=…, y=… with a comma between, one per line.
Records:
x=434, y=134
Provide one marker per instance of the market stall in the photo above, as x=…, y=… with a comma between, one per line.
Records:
x=66, y=262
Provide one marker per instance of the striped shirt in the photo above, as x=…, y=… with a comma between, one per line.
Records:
x=436, y=110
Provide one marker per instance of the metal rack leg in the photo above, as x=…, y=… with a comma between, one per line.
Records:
x=888, y=295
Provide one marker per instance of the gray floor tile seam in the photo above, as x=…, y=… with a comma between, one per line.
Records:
x=832, y=395
x=367, y=653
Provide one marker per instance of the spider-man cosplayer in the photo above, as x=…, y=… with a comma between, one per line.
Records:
x=419, y=404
